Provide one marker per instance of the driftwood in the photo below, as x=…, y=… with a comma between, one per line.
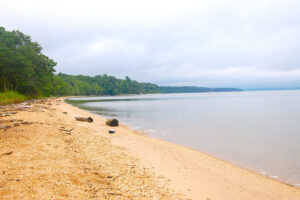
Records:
x=7, y=154
x=28, y=123
x=7, y=114
x=84, y=119
x=5, y=127
x=66, y=130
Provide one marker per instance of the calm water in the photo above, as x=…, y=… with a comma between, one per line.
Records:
x=255, y=130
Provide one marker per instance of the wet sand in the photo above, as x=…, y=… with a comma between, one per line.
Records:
x=50, y=155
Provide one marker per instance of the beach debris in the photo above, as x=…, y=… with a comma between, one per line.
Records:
x=27, y=123
x=65, y=113
x=5, y=127
x=84, y=119
x=41, y=106
x=111, y=131
x=7, y=153
x=7, y=114
x=16, y=124
x=66, y=130
x=112, y=122
x=24, y=106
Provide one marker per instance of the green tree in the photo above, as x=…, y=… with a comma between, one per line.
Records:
x=22, y=65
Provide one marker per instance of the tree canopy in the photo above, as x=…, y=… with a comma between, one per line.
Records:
x=25, y=69
x=64, y=84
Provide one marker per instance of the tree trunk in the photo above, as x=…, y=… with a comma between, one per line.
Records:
x=16, y=84
x=3, y=80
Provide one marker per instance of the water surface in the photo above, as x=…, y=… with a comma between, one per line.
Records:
x=256, y=130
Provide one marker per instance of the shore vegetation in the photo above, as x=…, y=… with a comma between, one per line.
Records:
x=10, y=97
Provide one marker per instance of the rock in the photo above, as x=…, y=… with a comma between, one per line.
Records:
x=84, y=119
x=111, y=131
x=112, y=122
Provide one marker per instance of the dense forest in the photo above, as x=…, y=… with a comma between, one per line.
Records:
x=99, y=85
x=25, y=69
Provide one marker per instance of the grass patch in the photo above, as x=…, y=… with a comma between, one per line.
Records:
x=11, y=97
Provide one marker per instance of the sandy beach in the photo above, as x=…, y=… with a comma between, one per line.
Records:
x=46, y=154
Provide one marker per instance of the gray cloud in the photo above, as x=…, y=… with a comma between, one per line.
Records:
x=206, y=43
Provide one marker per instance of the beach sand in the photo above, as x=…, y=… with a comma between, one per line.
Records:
x=50, y=155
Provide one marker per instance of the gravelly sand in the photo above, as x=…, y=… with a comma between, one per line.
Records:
x=57, y=157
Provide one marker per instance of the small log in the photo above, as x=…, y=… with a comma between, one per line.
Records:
x=84, y=119
x=7, y=154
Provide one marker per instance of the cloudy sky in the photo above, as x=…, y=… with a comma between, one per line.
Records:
x=215, y=43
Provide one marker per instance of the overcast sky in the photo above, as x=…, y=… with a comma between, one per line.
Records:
x=215, y=43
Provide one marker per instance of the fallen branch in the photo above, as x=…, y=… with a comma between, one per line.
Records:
x=84, y=119
x=5, y=127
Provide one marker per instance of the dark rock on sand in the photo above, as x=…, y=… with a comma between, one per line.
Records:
x=112, y=122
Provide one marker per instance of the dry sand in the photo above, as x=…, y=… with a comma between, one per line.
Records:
x=56, y=157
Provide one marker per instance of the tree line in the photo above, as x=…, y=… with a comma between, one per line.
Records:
x=24, y=68
x=64, y=84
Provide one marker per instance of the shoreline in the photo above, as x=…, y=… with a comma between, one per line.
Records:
x=59, y=157
x=148, y=135
x=120, y=142
x=145, y=134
